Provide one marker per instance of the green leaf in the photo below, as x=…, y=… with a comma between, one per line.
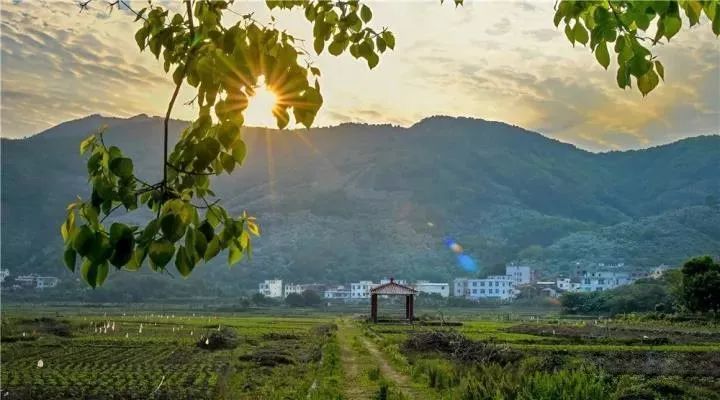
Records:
x=319, y=44
x=570, y=34
x=122, y=167
x=337, y=47
x=580, y=33
x=200, y=244
x=84, y=241
x=380, y=43
x=172, y=227
x=623, y=78
x=150, y=231
x=182, y=262
x=238, y=152
x=389, y=39
x=161, y=252
x=648, y=82
x=315, y=71
x=123, y=241
x=228, y=162
x=602, y=55
x=70, y=257
x=716, y=21
x=137, y=259
x=85, y=144
x=672, y=24
x=372, y=60
x=660, y=69
x=206, y=228
x=228, y=133
x=101, y=250
x=213, y=248
x=235, y=254
x=365, y=13
x=94, y=273
x=140, y=37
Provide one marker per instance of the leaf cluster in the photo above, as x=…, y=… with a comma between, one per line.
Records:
x=225, y=64
x=625, y=26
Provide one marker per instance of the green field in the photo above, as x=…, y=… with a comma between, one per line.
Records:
x=116, y=353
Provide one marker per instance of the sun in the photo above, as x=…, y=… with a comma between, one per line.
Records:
x=260, y=106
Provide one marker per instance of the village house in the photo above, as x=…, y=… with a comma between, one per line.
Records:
x=271, y=288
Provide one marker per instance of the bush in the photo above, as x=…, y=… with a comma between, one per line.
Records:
x=460, y=348
x=226, y=338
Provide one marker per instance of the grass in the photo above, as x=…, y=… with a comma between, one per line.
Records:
x=292, y=356
x=161, y=359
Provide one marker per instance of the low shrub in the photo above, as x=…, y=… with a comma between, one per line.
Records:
x=225, y=338
x=460, y=348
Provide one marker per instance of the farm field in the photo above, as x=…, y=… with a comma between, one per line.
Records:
x=121, y=354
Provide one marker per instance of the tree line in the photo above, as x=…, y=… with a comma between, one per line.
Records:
x=694, y=288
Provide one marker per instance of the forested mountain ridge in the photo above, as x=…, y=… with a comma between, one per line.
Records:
x=354, y=201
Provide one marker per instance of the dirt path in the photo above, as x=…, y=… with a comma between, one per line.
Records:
x=401, y=380
x=352, y=367
x=357, y=364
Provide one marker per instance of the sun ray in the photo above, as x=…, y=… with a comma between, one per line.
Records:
x=270, y=165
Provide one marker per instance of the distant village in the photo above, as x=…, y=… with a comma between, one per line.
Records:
x=31, y=281
x=495, y=287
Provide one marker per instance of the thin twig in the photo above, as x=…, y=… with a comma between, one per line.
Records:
x=206, y=204
x=178, y=169
x=110, y=212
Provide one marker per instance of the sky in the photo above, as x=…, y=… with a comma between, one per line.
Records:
x=502, y=61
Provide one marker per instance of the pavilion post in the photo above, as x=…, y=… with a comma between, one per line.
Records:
x=373, y=307
x=407, y=307
x=410, y=306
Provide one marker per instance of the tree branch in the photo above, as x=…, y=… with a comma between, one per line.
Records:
x=188, y=4
x=178, y=169
x=110, y=212
x=206, y=204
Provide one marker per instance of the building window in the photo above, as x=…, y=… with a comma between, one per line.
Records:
x=475, y=284
x=474, y=291
x=497, y=291
x=482, y=291
x=497, y=284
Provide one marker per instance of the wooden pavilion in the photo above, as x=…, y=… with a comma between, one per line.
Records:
x=392, y=289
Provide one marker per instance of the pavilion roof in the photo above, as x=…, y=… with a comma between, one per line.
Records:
x=393, y=288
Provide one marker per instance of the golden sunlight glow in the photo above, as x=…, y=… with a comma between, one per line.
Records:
x=260, y=107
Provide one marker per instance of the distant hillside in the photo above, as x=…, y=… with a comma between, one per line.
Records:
x=354, y=201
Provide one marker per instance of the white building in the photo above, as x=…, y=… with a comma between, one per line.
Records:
x=337, y=293
x=42, y=282
x=501, y=287
x=27, y=281
x=387, y=280
x=567, y=285
x=4, y=273
x=361, y=290
x=460, y=287
x=293, y=288
x=271, y=288
x=443, y=289
x=37, y=282
x=520, y=274
x=604, y=280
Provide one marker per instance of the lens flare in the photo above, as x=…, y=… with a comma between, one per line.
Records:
x=464, y=261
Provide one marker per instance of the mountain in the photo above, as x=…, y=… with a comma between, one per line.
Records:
x=364, y=201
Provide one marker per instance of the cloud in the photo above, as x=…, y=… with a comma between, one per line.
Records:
x=494, y=60
x=500, y=27
x=544, y=34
